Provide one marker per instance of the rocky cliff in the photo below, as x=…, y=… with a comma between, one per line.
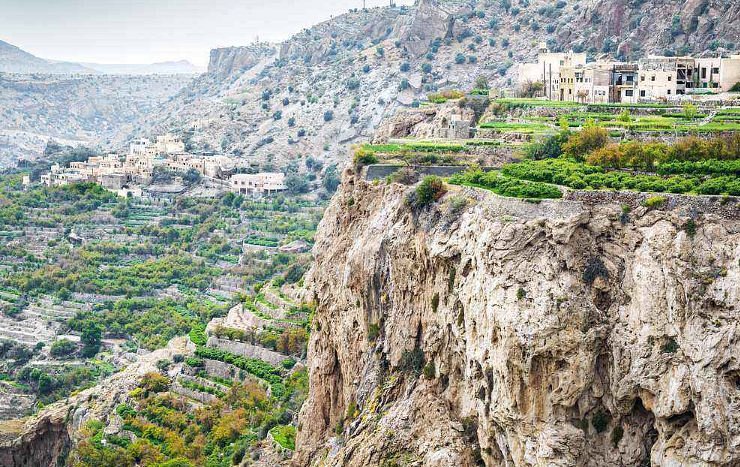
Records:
x=485, y=330
x=46, y=439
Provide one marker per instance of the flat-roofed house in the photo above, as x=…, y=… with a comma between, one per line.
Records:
x=547, y=69
x=265, y=183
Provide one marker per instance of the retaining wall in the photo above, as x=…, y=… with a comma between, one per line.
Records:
x=727, y=207
x=247, y=350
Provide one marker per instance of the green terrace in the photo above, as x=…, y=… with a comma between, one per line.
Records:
x=618, y=117
x=587, y=161
x=426, y=152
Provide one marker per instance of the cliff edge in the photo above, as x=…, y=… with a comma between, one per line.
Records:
x=495, y=331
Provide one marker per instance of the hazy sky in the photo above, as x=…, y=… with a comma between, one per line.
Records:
x=146, y=31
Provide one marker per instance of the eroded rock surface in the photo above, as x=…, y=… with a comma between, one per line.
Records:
x=555, y=334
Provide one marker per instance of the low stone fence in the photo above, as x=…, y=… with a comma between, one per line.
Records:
x=247, y=350
x=202, y=397
x=222, y=370
x=727, y=207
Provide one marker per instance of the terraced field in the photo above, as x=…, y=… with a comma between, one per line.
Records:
x=86, y=276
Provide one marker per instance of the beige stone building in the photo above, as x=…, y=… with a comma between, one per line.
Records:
x=589, y=83
x=547, y=70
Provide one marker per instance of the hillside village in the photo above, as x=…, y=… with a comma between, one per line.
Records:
x=568, y=77
x=134, y=173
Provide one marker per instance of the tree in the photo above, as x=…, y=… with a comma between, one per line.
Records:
x=328, y=115
x=331, y=179
x=297, y=183
x=481, y=82
x=690, y=111
x=532, y=89
x=63, y=348
x=581, y=144
x=191, y=177
x=91, y=338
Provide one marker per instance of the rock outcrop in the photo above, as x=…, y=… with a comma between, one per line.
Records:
x=45, y=439
x=497, y=331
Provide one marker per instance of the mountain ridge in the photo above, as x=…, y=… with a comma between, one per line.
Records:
x=329, y=86
x=13, y=59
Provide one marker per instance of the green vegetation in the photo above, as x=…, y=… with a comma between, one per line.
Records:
x=670, y=346
x=150, y=270
x=503, y=184
x=284, y=435
x=428, y=191
x=170, y=432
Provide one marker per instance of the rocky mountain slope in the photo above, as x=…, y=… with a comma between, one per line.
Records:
x=329, y=86
x=46, y=439
x=15, y=60
x=161, y=68
x=81, y=109
x=502, y=332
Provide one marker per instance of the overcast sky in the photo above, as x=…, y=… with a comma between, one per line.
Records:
x=147, y=31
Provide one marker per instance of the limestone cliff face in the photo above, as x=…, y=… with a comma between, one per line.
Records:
x=553, y=334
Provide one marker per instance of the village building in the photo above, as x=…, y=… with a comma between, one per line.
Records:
x=547, y=69
x=567, y=77
x=259, y=184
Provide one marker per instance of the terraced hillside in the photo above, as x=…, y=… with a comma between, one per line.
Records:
x=88, y=280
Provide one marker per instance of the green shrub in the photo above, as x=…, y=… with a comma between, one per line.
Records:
x=412, y=361
x=194, y=362
x=690, y=228
x=364, y=156
x=63, y=348
x=429, y=370
x=198, y=334
x=506, y=186
x=654, y=202
x=521, y=293
x=670, y=346
x=373, y=331
x=594, y=268
x=431, y=189
x=435, y=302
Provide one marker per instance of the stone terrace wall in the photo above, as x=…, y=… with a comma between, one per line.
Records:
x=247, y=350
x=726, y=207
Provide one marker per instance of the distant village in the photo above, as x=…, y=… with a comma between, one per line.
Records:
x=130, y=174
x=568, y=77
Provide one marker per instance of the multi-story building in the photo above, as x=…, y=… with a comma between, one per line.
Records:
x=547, y=69
x=169, y=144
x=653, y=78
x=589, y=83
x=265, y=183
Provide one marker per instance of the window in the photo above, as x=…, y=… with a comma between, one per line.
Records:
x=629, y=93
x=642, y=78
x=669, y=78
x=669, y=92
x=715, y=71
x=652, y=78
x=703, y=73
x=642, y=93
